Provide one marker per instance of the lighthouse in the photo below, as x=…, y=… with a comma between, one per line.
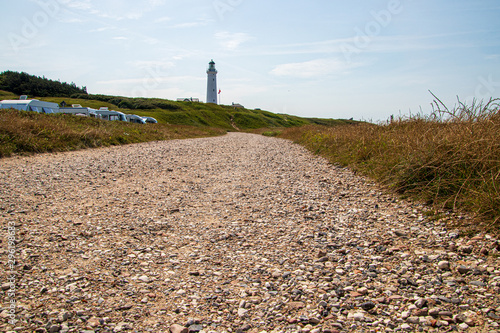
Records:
x=211, y=83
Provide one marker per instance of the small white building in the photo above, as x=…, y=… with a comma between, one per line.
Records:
x=25, y=104
x=190, y=99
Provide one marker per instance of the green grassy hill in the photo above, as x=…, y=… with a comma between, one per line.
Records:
x=190, y=113
x=29, y=132
x=7, y=95
x=165, y=111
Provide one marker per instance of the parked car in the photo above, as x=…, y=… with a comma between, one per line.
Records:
x=132, y=118
x=150, y=120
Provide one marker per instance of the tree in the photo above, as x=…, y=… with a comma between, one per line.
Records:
x=25, y=84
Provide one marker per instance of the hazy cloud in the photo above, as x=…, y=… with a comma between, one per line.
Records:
x=159, y=79
x=114, y=9
x=103, y=29
x=231, y=41
x=157, y=64
x=163, y=19
x=313, y=68
x=194, y=24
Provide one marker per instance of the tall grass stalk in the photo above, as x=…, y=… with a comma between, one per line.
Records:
x=449, y=159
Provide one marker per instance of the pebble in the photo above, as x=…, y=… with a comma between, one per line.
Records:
x=463, y=326
x=406, y=327
x=195, y=328
x=444, y=265
x=240, y=233
x=242, y=313
x=124, y=326
x=358, y=316
x=420, y=303
x=145, y=279
x=175, y=328
x=434, y=312
x=54, y=328
x=368, y=306
x=463, y=269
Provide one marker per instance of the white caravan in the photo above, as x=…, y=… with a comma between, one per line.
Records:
x=107, y=114
x=25, y=104
x=78, y=110
x=132, y=118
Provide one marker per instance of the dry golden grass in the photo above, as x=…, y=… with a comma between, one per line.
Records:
x=450, y=160
x=24, y=132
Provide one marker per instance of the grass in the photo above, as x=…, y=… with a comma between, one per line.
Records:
x=202, y=114
x=190, y=113
x=24, y=132
x=449, y=160
x=7, y=95
x=198, y=114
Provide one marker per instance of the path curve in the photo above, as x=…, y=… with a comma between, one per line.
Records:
x=234, y=233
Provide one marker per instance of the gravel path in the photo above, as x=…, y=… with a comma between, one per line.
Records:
x=229, y=234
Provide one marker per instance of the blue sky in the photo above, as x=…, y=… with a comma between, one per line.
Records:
x=316, y=58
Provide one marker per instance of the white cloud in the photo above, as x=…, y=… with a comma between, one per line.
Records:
x=199, y=23
x=71, y=20
x=163, y=19
x=313, y=68
x=102, y=29
x=157, y=65
x=370, y=45
x=147, y=77
x=114, y=9
x=120, y=38
x=151, y=41
x=492, y=57
x=156, y=3
x=190, y=24
x=231, y=41
x=77, y=4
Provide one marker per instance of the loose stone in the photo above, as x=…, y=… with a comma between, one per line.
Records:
x=231, y=234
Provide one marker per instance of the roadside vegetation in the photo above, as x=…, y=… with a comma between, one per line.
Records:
x=14, y=84
x=194, y=113
x=450, y=159
x=27, y=132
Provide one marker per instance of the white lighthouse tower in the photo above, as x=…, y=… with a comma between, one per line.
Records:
x=212, y=83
